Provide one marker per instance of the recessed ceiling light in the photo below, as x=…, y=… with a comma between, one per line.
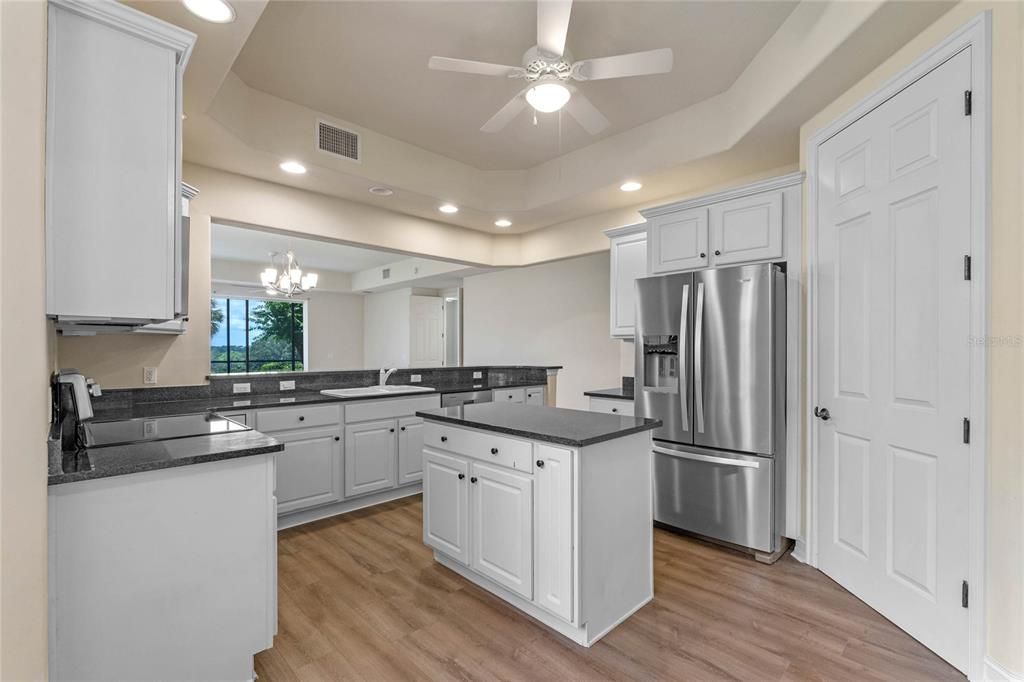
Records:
x=217, y=11
x=503, y=222
x=548, y=97
x=293, y=167
x=630, y=186
x=448, y=208
x=382, y=191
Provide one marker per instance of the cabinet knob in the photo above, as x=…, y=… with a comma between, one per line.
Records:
x=540, y=463
x=615, y=409
x=494, y=451
x=301, y=418
x=717, y=252
x=337, y=438
x=391, y=430
x=703, y=255
x=462, y=476
x=472, y=479
x=444, y=439
x=509, y=397
x=403, y=428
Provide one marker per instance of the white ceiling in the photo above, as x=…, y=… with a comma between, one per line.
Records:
x=229, y=242
x=366, y=63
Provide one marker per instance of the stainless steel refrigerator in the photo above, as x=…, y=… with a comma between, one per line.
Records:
x=711, y=363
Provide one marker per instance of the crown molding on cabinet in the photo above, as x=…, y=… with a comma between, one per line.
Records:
x=124, y=18
x=779, y=182
x=627, y=229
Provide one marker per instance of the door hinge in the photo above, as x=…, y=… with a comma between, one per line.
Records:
x=964, y=594
x=967, y=430
x=967, y=267
x=967, y=102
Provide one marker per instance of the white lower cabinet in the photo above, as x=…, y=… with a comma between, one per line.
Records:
x=501, y=523
x=612, y=406
x=410, y=450
x=553, y=528
x=446, y=507
x=369, y=457
x=535, y=395
x=309, y=469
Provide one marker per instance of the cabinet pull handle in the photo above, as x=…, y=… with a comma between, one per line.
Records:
x=494, y=451
x=462, y=476
x=615, y=409
x=540, y=463
x=472, y=479
x=717, y=252
x=444, y=439
x=391, y=430
x=337, y=438
x=403, y=428
x=301, y=418
x=703, y=255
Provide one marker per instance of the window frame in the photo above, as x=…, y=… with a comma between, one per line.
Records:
x=247, y=361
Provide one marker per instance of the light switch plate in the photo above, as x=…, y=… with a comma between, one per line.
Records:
x=149, y=375
x=416, y=378
x=478, y=375
x=240, y=388
x=288, y=385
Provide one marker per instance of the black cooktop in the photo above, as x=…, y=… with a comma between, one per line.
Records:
x=125, y=431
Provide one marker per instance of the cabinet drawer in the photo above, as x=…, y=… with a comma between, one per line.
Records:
x=612, y=406
x=510, y=395
x=366, y=410
x=481, y=445
x=281, y=419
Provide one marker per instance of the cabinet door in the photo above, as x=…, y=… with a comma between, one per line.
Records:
x=369, y=457
x=747, y=229
x=629, y=261
x=555, y=557
x=501, y=519
x=678, y=241
x=535, y=395
x=309, y=469
x=509, y=395
x=410, y=450
x=446, y=504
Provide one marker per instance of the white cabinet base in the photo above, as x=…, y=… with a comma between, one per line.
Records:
x=581, y=635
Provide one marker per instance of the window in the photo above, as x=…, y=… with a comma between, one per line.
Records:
x=255, y=335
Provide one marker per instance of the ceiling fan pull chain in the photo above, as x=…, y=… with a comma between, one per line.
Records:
x=534, y=118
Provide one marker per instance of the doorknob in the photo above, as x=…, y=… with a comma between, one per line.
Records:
x=822, y=413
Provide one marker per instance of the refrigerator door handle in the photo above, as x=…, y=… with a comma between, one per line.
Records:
x=698, y=360
x=682, y=356
x=728, y=461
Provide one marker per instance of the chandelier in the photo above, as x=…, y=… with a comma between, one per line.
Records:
x=291, y=280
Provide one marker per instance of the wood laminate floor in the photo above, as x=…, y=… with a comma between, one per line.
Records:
x=360, y=597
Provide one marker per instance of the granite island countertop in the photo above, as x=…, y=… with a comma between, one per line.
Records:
x=119, y=460
x=573, y=428
x=618, y=393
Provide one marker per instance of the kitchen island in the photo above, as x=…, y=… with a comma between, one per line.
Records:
x=547, y=508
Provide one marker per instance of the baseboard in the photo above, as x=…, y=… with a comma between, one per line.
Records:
x=297, y=518
x=993, y=672
x=800, y=551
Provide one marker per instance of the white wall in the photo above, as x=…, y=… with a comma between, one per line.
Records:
x=386, y=340
x=334, y=331
x=549, y=314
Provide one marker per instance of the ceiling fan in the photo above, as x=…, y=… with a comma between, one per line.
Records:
x=548, y=70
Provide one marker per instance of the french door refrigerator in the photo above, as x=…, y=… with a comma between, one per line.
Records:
x=710, y=364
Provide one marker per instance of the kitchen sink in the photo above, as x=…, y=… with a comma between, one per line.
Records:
x=365, y=391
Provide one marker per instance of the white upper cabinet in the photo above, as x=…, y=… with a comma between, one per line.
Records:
x=747, y=229
x=113, y=162
x=628, y=261
x=678, y=241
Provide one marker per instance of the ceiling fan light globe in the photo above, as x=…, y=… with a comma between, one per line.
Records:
x=548, y=97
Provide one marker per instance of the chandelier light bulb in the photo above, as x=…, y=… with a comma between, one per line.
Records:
x=548, y=97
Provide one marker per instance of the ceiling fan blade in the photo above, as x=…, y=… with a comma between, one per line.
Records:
x=581, y=109
x=620, y=66
x=553, y=25
x=505, y=114
x=469, y=66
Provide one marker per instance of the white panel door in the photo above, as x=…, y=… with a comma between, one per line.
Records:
x=746, y=229
x=309, y=469
x=426, y=330
x=893, y=364
x=410, y=450
x=556, y=564
x=370, y=452
x=628, y=261
x=678, y=241
x=446, y=504
x=501, y=523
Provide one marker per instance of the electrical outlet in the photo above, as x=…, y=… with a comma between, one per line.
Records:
x=288, y=385
x=240, y=388
x=415, y=379
x=478, y=375
x=149, y=375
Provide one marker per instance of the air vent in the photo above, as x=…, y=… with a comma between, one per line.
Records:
x=339, y=141
x=385, y=273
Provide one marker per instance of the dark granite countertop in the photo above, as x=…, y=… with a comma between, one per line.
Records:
x=574, y=428
x=120, y=460
x=618, y=393
x=171, y=408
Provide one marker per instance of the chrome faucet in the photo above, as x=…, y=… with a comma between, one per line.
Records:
x=385, y=374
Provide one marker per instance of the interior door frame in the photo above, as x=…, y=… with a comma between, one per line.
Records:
x=976, y=34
